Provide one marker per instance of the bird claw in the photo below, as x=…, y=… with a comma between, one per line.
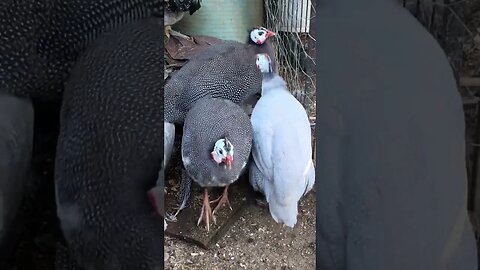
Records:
x=222, y=200
x=207, y=218
x=180, y=35
x=168, y=30
x=206, y=213
x=173, y=217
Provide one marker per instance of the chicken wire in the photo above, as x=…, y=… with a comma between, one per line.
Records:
x=293, y=21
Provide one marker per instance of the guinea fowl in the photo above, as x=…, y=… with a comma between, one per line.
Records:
x=40, y=42
x=109, y=152
x=282, y=167
x=42, y=39
x=216, y=145
x=225, y=70
x=256, y=36
x=175, y=11
x=391, y=133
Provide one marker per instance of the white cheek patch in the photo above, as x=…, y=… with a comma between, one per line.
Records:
x=253, y=36
x=257, y=38
x=219, y=145
x=216, y=157
x=263, y=63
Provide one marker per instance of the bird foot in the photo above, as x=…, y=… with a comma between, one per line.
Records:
x=168, y=30
x=261, y=202
x=180, y=35
x=222, y=200
x=206, y=213
x=173, y=217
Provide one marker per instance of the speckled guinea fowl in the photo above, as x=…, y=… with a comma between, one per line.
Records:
x=282, y=167
x=216, y=145
x=110, y=150
x=41, y=39
x=224, y=70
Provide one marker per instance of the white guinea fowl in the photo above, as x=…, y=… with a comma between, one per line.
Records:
x=282, y=167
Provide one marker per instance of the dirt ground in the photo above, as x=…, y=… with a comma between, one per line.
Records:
x=255, y=241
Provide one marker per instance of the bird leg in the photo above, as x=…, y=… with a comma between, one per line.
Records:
x=222, y=200
x=206, y=211
x=185, y=190
x=180, y=35
x=168, y=30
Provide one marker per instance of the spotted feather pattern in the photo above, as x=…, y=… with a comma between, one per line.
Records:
x=110, y=150
x=209, y=120
x=40, y=40
x=224, y=70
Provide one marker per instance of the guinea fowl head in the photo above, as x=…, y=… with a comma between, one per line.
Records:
x=223, y=152
x=264, y=63
x=259, y=35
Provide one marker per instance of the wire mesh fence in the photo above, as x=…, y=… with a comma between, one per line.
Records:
x=294, y=23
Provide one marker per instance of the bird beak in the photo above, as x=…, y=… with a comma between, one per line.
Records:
x=229, y=161
x=270, y=34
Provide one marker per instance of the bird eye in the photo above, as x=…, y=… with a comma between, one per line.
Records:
x=220, y=151
x=261, y=33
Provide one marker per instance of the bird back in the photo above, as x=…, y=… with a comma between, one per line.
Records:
x=224, y=70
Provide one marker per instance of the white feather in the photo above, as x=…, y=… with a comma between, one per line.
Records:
x=282, y=149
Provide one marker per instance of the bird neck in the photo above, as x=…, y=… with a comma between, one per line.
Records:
x=272, y=81
x=267, y=48
x=268, y=76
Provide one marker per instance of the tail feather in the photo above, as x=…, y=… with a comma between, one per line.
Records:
x=310, y=178
x=284, y=212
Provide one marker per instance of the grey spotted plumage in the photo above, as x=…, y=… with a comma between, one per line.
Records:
x=110, y=150
x=225, y=70
x=40, y=40
x=209, y=120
